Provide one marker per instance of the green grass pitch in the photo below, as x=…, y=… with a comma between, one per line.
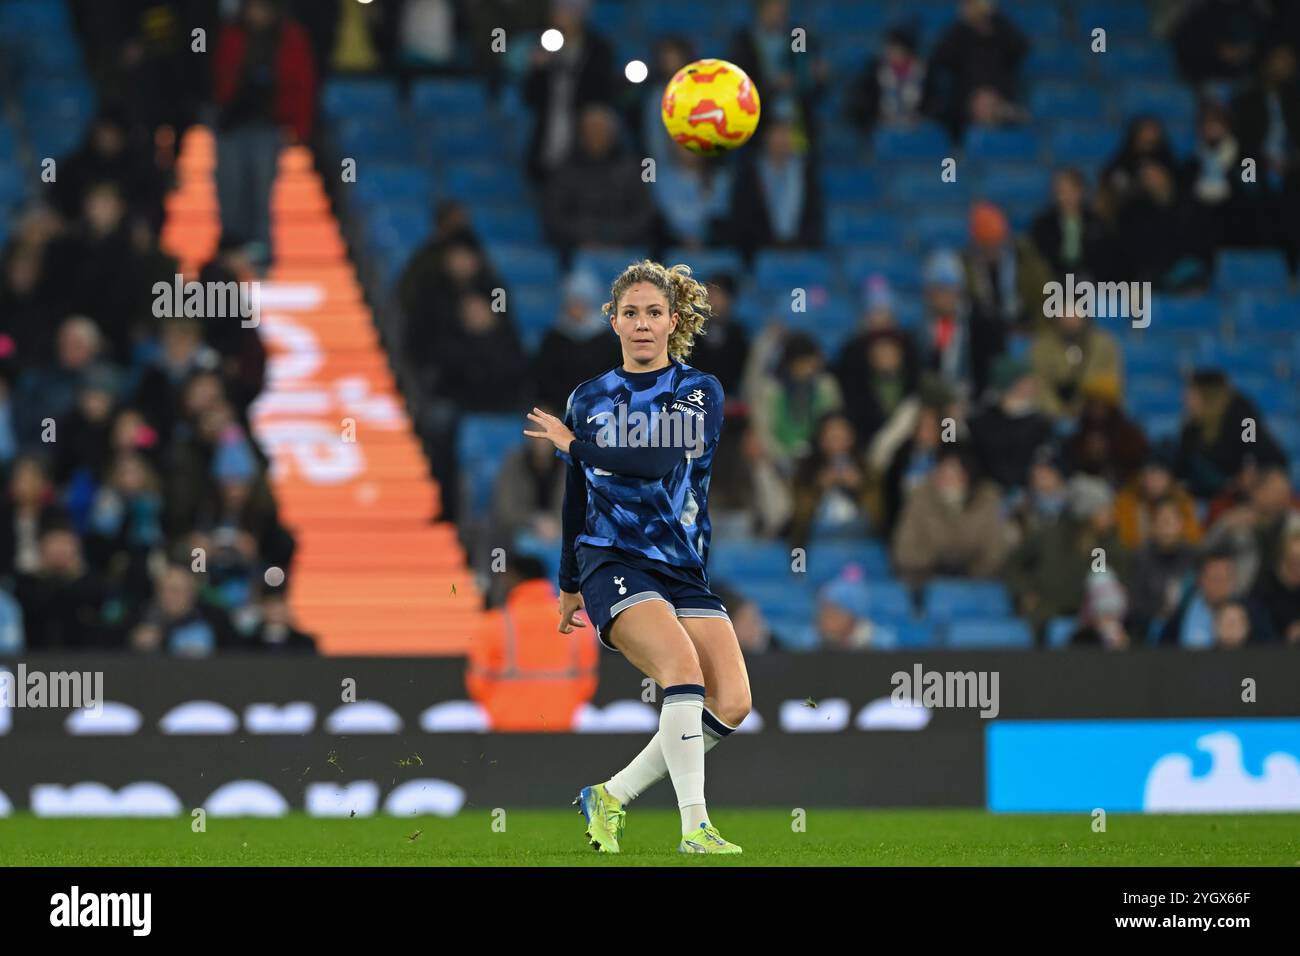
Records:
x=555, y=838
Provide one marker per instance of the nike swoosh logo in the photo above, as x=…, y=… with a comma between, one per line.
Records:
x=692, y=737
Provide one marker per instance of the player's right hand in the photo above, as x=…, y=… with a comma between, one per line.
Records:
x=568, y=604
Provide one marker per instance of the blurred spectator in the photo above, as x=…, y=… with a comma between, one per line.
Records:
x=843, y=621
x=596, y=197
x=1233, y=626
x=1214, y=176
x=1069, y=353
x=429, y=37
x=1048, y=570
x=952, y=524
x=776, y=200
x=1007, y=432
x=1165, y=238
x=891, y=90
x=790, y=81
x=124, y=527
x=481, y=362
x=176, y=622
x=112, y=153
x=1253, y=532
x=561, y=85
x=1042, y=503
x=1101, y=620
x=181, y=355
x=529, y=492
x=1146, y=139
x=273, y=629
x=945, y=342
x=904, y=450
x=82, y=451
x=1218, y=40
x=1162, y=570
x=1277, y=590
x=790, y=403
x=975, y=65
x=579, y=346
x=723, y=349
x=693, y=197
x=746, y=490
x=1213, y=446
x=29, y=508
x=1107, y=443
x=832, y=491
x=1266, y=121
x=50, y=393
x=752, y=629
x=62, y=599
x=1069, y=234
x=876, y=372
x=1154, y=484
x=444, y=269
x=265, y=81
x=670, y=54
x=1193, y=624
x=25, y=313
x=520, y=671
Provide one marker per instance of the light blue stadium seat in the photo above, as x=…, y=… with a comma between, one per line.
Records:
x=928, y=141
x=843, y=143
x=372, y=142
x=1075, y=143
x=827, y=558
x=368, y=96
x=1038, y=21
x=995, y=633
x=527, y=264
x=918, y=185
x=998, y=145
x=1013, y=184
x=931, y=230
x=490, y=181
x=448, y=98
x=948, y=599
x=1258, y=271
x=851, y=16
x=1186, y=314
x=1119, y=18
x=1066, y=101
x=394, y=183
x=1170, y=101
x=849, y=184
x=1267, y=314
x=1059, y=631
x=915, y=634
x=706, y=263
x=901, y=268
x=607, y=263
x=778, y=269
x=506, y=222
x=1054, y=59
x=854, y=225
x=1141, y=61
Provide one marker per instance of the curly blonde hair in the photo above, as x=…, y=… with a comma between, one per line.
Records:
x=686, y=296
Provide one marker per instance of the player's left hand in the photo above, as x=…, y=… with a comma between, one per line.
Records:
x=551, y=428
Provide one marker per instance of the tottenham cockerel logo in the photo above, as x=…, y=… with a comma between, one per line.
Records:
x=622, y=588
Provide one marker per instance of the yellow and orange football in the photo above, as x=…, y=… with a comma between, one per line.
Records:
x=710, y=106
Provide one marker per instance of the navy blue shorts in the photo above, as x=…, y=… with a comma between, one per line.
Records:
x=614, y=582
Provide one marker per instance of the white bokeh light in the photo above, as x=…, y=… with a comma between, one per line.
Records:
x=552, y=40
x=636, y=71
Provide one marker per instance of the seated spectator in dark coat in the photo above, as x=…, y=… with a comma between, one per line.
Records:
x=1162, y=571
x=1007, y=432
x=777, y=199
x=874, y=378
x=481, y=363
x=596, y=197
x=113, y=153
x=980, y=53
x=63, y=601
x=1101, y=620
x=1211, y=446
x=51, y=392
x=832, y=489
x=183, y=353
x=1253, y=531
x=431, y=287
x=580, y=345
x=789, y=80
x=178, y=623
x=1277, y=591
x=1219, y=40
x=1150, y=486
x=1265, y=118
x=891, y=90
x=1069, y=234
x=1213, y=180
x=29, y=508
x=1107, y=442
x=1193, y=625
x=1165, y=238
x=1145, y=139
x=1234, y=625
x=723, y=349
x=274, y=630
x=1042, y=503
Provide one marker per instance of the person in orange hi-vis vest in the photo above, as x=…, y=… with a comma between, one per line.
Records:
x=525, y=675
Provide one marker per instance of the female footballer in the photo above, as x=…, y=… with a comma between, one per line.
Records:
x=639, y=441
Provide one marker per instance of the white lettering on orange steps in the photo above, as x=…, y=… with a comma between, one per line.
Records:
x=374, y=572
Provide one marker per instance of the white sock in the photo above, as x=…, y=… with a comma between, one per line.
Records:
x=681, y=738
x=649, y=767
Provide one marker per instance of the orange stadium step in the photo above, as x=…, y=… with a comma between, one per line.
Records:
x=374, y=572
